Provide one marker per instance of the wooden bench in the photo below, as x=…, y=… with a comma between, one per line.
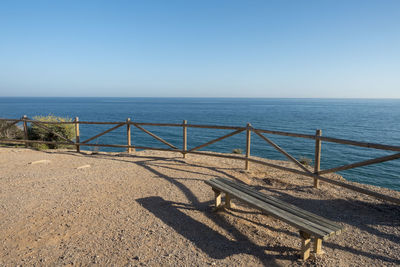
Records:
x=310, y=226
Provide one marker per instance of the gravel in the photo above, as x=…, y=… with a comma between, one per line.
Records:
x=153, y=208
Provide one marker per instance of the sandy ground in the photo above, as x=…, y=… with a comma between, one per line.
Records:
x=153, y=208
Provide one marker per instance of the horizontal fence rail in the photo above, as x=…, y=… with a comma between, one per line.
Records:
x=316, y=173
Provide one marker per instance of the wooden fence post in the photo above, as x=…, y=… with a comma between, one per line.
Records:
x=248, y=140
x=77, y=135
x=24, y=118
x=128, y=134
x=184, y=148
x=317, y=160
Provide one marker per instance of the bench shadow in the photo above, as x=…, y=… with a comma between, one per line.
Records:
x=210, y=241
x=217, y=246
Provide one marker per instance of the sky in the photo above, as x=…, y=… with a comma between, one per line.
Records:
x=294, y=49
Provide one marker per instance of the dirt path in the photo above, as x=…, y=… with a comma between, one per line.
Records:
x=153, y=208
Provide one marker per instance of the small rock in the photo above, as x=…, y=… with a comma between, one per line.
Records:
x=94, y=259
x=83, y=167
x=43, y=161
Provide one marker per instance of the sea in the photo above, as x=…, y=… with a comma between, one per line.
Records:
x=366, y=120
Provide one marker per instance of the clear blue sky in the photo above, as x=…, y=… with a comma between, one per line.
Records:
x=200, y=48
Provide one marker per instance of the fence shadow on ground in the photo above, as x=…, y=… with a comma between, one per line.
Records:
x=218, y=246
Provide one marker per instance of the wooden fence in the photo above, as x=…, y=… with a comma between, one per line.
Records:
x=316, y=174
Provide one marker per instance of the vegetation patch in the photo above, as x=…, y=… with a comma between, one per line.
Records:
x=237, y=151
x=49, y=131
x=305, y=161
x=10, y=132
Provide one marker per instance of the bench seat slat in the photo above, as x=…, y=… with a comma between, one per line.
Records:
x=287, y=217
x=285, y=206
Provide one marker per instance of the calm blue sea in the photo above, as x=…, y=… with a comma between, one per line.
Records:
x=371, y=120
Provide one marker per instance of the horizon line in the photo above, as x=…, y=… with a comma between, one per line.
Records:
x=207, y=97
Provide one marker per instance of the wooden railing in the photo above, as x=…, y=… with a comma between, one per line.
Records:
x=316, y=174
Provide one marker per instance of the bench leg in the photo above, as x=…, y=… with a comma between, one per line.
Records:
x=218, y=199
x=318, y=246
x=228, y=202
x=305, y=245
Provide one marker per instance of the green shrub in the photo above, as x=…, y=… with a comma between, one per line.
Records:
x=305, y=161
x=237, y=151
x=38, y=133
x=40, y=146
x=13, y=132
